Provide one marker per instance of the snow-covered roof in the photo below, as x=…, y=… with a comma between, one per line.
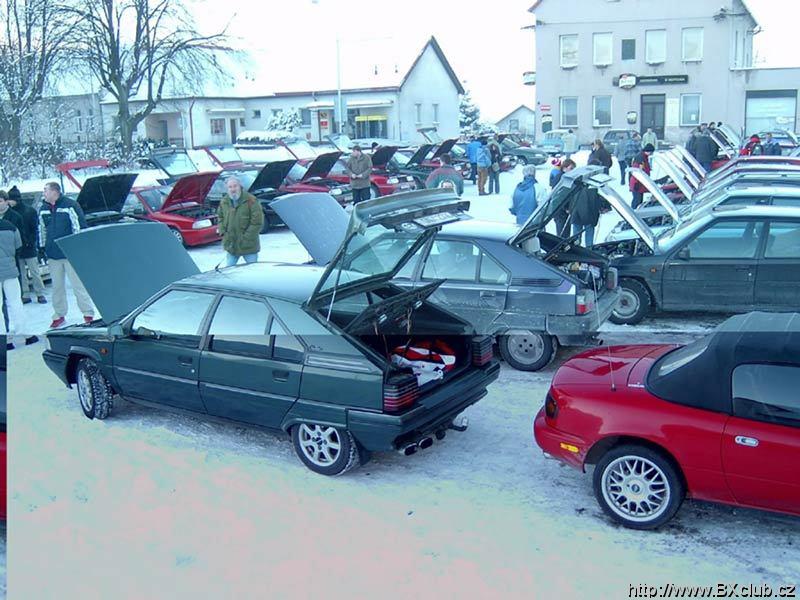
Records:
x=521, y=106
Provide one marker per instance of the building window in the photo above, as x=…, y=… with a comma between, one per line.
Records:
x=241, y=121
x=655, y=46
x=690, y=109
x=419, y=112
x=217, y=126
x=305, y=117
x=80, y=121
x=513, y=124
x=628, y=49
x=603, y=49
x=601, y=111
x=435, y=113
x=569, y=112
x=693, y=44
x=257, y=114
x=569, y=51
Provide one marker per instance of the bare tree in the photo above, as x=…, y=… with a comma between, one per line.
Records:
x=35, y=40
x=135, y=47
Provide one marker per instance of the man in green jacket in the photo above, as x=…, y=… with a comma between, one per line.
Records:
x=240, y=222
x=359, y=167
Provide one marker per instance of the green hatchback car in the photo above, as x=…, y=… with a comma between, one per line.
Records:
x=339, y=358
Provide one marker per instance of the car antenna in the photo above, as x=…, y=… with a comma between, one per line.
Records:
x=608, y=348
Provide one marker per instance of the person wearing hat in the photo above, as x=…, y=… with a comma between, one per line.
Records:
x=642, y=161
x=27, y=257
x=359, y=167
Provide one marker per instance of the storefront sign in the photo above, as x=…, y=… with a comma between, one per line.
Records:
x=626, y=81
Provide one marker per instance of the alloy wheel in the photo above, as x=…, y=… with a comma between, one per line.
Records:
x=320, y=444
x=635, y=488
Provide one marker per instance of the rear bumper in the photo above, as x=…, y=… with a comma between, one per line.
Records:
x=383, y=432
x=550, y=439
x=584, y=326
x=57, y=364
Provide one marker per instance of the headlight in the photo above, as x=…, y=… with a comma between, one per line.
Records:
x=392, y=181
x=202, y=224
x=508, y=158
x=336, y=192
x=409, y=178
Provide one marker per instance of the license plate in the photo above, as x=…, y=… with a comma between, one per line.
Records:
x=437, y=219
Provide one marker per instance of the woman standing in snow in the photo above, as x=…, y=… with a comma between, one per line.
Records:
x=527, y=195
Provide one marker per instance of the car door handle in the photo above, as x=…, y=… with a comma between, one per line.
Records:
x=743, y=440
x=280, y=375
x=488, y=294
x=186, y=361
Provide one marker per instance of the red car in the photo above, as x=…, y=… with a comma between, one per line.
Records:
x=382, y=181
x=313, y=177
x=179, y=206
x=716, y=420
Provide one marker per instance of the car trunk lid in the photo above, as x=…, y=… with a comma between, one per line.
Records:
x=383, y=155
x=419, y=155
x=271, y=176
x=191, y=188
x=444, y=148
x=321, y=165
x=318, y=221
x=656, y=192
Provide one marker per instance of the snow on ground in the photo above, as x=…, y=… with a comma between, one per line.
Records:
x=149, y=501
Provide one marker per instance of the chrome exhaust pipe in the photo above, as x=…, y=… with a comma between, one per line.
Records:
x=409, y=449
x=460, y=423
x=425, y=443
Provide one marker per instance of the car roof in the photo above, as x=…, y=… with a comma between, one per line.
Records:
x=483, y=230
x=745, y=189
x=284, y=281
x=760, y=210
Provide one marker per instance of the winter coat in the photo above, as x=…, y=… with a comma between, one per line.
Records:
x=642, y=161
x=495, y=153
x=526, y=198
x=472, y=151
x=586, y=208
x=484, y=157
x=58, y=220
x=443, y=175
x=240, y=225
x=359, y=167
x=772, y=148
x=10, y=242
x=705, y=149
x=691, y=144
x=555, y=176
x=630, y=149
x=650, y=138
x=28, y=231
x=570, y=142
x=602, y=156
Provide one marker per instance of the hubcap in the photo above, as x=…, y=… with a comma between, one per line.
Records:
x=635, y=488
x=526, y=347
x=85, y=391
x=320, y=444
x=178, y=235
x=628, y=304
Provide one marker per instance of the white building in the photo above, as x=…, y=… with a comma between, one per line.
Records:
x=520, y=120
x=386, y=91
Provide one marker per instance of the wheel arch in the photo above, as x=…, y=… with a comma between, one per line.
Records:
x=606, y=444
x=647, y=286
x=76, y=353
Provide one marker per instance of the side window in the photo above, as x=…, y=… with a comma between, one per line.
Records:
x=177, y=314
x=745, y=200
x=132, y=206
x=727, y=239
x=239, y=326
x=790, y=201
x=784, y=241
x=285, y=346
x=408, y=269
x=491, y=271
x=456, y=261
x=767, y=393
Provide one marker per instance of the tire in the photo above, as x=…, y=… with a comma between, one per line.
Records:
x=521, y=160
x=94, y=392
x=638, y=487
x=265, y=224
x=178, y=235
x=309, y=445
x=527, y=350
x=374, y=192
x=633, y=305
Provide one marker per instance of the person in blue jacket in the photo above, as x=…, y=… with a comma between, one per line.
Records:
x=528, y=194
x=472, y=154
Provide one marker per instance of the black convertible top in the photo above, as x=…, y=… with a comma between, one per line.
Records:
x=705, y=381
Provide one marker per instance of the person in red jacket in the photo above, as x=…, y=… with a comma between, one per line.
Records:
x=642, y=161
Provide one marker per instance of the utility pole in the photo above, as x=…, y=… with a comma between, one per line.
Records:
x=339, y=110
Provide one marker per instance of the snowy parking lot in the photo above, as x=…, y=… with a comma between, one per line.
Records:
x=148, y=501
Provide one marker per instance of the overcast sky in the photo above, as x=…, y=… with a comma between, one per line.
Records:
x=487, y=47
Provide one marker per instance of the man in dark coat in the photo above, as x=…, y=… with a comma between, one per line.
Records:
x=585, y=214
x=27, y=257
x=601, y=155
x=706, y=150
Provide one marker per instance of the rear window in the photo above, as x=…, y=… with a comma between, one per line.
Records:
x=767, y=393
x=680, y=357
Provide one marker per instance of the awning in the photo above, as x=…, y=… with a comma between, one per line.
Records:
x=361, y=118
x=226, y=111
x=319, y=104
x=369, y=103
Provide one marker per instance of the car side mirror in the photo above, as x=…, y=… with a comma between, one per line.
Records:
x=144, y=332
x=684, y=254
x=116, y=331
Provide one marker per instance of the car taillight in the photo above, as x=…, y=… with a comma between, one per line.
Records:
x=400, y=392
x=550, y=407
x=584, y=302
x=612, y=278
x=482, y=350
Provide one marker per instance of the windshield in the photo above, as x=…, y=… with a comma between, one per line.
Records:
x=302, y=149
x=680, y=357
x=175, y=163
x=297, y=172
x=264, y=155
x=225, y=154
x=508, y=142
x=155, y=197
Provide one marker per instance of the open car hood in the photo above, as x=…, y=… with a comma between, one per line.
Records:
x=318, y=221
x=690, y=161
x=105, y=192
x=444, y=148
x=364, y=257
x=321, y=165
x=271, y=176
x=383, y=155
x=419, y=155
x=191, y=188
x=146, y=258
x=677, y=168
x=431, y=135
x=225, y=157
x=656, y=192
x=173, y=161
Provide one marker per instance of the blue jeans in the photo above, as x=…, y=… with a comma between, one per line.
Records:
x=232, y=259
x=494, y=181
x=588, y=231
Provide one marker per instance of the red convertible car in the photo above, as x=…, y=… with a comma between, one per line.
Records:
x=715, y=420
